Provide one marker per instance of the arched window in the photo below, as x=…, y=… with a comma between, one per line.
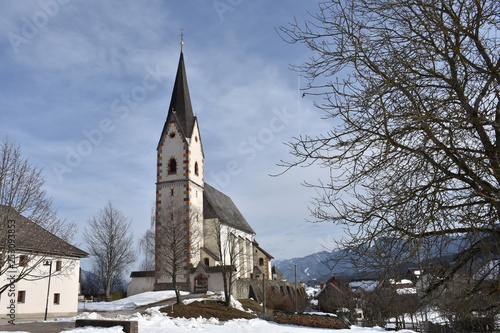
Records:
x=196, y=172
x=206, y=262
x=172, y=166
x=201, y=283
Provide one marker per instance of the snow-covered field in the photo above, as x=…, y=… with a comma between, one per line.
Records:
x=153, y=321
x=131, y=302
x=156, y=322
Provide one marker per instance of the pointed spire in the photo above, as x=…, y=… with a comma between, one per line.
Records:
x=180, y=102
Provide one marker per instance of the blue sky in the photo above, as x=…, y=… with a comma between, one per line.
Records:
x=85, y=87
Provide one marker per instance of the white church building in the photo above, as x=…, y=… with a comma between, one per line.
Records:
x=215, y=237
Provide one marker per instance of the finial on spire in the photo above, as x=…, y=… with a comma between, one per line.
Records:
x=182, y=37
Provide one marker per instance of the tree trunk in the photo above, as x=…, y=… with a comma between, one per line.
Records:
x=229, y=289
x=177, y=293
x=226, y=292
x=108, y=289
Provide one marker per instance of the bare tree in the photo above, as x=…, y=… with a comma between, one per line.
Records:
x=110, y=243
x=411, y=89
x=458, y=307
x=25, y=209
x=147, y=248
x=147, y=245
x=90, y=284
x=232, y=255
x=177, y=232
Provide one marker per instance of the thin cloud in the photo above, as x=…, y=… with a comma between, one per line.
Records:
x=86, y=96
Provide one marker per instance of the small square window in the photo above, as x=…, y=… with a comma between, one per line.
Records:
x=21, y=296
x=57, y=298
x=23, y=260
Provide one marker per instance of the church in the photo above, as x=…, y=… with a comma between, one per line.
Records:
x=200, y=234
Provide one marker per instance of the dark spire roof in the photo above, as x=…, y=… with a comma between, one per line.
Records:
x=180, y=103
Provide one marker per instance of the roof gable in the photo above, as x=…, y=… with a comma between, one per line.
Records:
x=336, y=286
x=218, y=205
x=262, y=250
x=31, y=237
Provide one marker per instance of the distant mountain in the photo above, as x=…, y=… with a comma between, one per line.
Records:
x=311, y=267
x=316, y=266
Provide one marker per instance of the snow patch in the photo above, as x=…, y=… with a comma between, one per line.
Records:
x=129, y=302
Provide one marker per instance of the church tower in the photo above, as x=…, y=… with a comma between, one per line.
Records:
x=179, y=190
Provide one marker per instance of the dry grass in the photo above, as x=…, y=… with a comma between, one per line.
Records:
x=212, y=309
x=250, y=304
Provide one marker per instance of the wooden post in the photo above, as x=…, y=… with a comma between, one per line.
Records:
x=264, y=293
x=295, y=266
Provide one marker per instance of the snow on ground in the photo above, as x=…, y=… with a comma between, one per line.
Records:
x=153, y=321
x=312, y=291
x=216, y=296
x=129, y=302
x=156, y=322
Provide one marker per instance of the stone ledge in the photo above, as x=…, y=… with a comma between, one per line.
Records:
x=128, y=326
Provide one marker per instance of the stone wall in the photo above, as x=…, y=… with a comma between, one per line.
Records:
x=127, y=325
x=249, y=288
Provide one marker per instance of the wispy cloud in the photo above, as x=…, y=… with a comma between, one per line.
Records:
x=87, y=91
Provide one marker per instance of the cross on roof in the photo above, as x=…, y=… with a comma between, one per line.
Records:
x=182, y=37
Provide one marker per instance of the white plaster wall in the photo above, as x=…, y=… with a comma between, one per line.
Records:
x=140, y=284
x=196, y=155
x=176, y=147
x=209, y=238
x=245, y=258
x=172, y=147
x=196, y=214
x=215, y=282
x=66, y=283
x=196, y=194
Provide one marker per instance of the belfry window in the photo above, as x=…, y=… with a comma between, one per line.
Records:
x=172, y=166
x=196, y=172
